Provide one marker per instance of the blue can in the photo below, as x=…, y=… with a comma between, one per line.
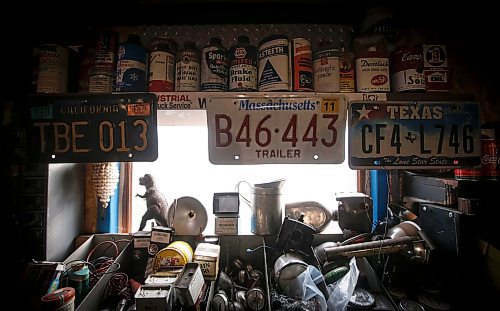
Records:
x=131, y=67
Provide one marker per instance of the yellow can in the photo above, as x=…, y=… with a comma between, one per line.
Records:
x=176, y=254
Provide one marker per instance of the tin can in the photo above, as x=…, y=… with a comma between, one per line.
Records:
x=408, y=70
x=131, y=66
x=436, y=68
x=101, y=80
x=490, y=160
x=214, y=67
x=274, y=71
x=302, y=65
x=79, y=279
x=207, y=256
x=243, y=66
x=53, y=69
x=87, y=56
x=346, y=71
x=177, y=253
x=62, y=299
x=162, y=65
x=188, y=68
x=372, y=71
x=327, y=70
x=105, y=51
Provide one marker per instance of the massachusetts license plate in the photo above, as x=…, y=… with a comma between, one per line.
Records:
x=405, y=135
x=276, y=129
x=93, y=128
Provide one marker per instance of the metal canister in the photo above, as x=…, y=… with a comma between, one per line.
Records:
x=274, y=71
x=214, y=67
x=79, y=279
x=408, y=69
x=302, y=65
x=286, y=270
x=243, y=66
x=176, y=254
x=53, y=69
x=162, y=65
x=62, y=299
x=105, y=51
x=327, y=70
x=101, y=80
x=347, y=76
x=131, y=66
x=188, y=68
x=490, y=160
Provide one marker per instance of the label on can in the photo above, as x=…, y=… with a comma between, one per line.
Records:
x=408, y=69
x=131, y=68
x=161, y=71
x=436, y=68
x=273, y=65
x=326, y=71
x=226, y=225
x=105, y=53
x=302, y=67
x=347, y=80
x=372, y=74
x=188, y=73
x=214, y=70
x=243, y=69
x=53, y=69
x=100, y=82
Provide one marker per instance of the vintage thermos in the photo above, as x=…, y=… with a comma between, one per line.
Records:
x=131, y=66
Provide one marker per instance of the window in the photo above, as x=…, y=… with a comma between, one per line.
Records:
x=183, y=169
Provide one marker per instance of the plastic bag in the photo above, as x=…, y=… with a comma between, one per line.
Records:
x=341, y=291
x=310, y=291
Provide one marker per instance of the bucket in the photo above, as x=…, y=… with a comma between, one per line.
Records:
x=266, y=209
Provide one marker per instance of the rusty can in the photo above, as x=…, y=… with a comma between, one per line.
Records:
x=408, y=70
x=302, y=66
x=53, y=69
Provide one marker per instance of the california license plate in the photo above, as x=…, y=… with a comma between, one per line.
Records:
x=276, y=129
x=405, y=135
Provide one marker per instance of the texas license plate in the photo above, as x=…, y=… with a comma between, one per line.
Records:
x=276, y=129
x=405, y=135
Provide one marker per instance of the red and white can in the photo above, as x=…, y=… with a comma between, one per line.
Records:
x=490, y=159
x=162, y=65
x=408, y=70
x=302, y=65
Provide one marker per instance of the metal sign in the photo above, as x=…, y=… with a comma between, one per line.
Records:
x=276, y=129
x=94, y=128
x=405, y=135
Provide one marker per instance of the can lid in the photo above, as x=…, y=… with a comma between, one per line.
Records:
x=59, y=297
x=272, y=37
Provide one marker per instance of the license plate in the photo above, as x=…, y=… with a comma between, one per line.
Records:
x=405, y=135
x=276, y=129
x=93, y=128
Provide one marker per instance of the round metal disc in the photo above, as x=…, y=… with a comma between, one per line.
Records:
x=188, y=216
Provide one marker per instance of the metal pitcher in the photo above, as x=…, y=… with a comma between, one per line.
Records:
x=265, y=207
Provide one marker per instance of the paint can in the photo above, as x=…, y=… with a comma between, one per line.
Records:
x=53, y=69
x=274, y=70
x=326, y=66
x=131, y=66
x=214, y=67
x=243, y=66
x=407, y=74
x=62, y=299
x=188, y=68
x=302, y=65
x=162, y=65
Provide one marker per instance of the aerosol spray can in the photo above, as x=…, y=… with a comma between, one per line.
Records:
x=162, y=65
x=131, y=66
